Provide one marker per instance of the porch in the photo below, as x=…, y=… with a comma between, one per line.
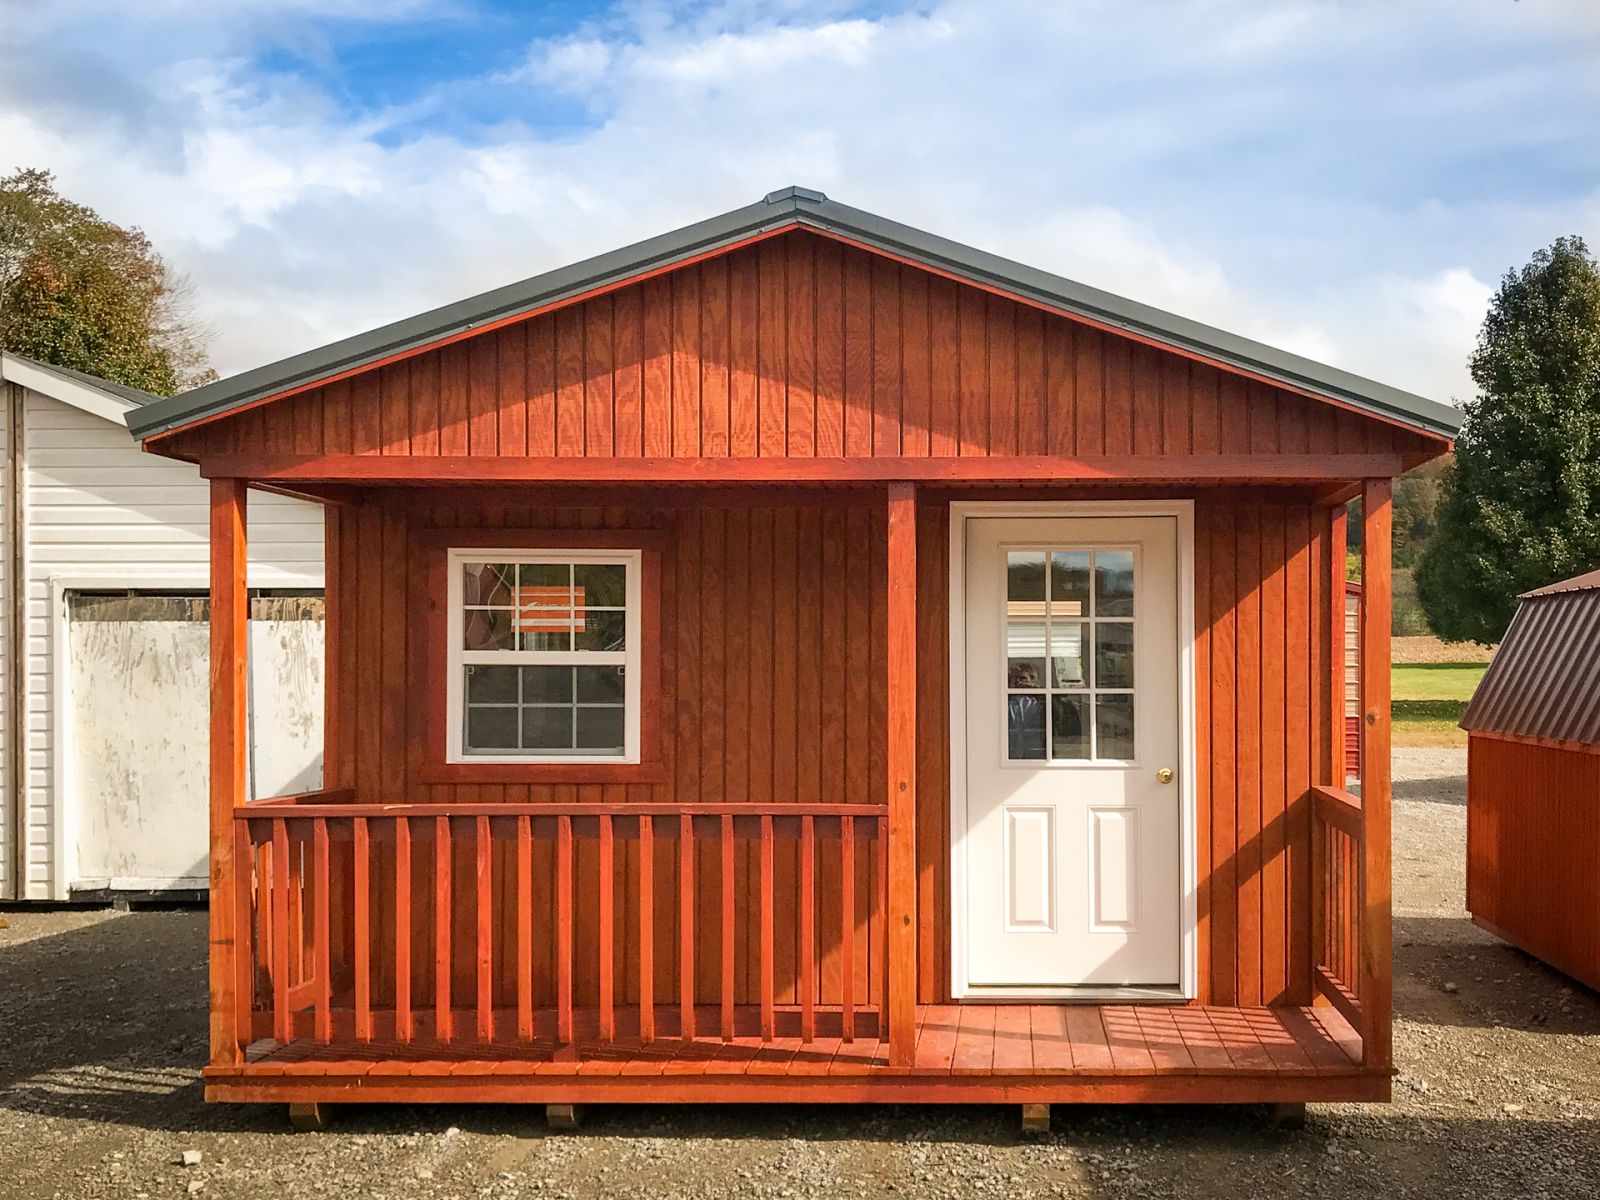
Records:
x=711, y=929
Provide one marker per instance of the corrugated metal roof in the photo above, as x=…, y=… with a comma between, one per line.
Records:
x=803, y=208
x=1544, y=680
x=1578, y=583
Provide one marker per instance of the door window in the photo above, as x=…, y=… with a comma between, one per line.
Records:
x=1069, y=633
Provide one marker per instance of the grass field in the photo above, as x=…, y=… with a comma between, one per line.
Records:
x=1429, y=699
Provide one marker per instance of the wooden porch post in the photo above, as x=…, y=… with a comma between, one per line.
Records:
x=1336, y=650
x=230, y=616
x=901, y=594
x=1376, y=929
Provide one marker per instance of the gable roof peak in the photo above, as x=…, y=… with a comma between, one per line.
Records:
x=794, y=192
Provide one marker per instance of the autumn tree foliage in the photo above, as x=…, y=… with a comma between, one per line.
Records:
x=78, y=291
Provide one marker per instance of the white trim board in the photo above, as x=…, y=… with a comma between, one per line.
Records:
x=1183, y=512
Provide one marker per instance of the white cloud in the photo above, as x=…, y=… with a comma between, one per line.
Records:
x=1336, y=179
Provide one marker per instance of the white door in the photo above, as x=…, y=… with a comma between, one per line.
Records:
x=1072, y=869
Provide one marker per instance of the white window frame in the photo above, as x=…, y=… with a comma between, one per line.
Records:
x=459, y=658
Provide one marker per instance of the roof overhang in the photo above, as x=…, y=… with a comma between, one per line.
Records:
x=95, y=396
x=783, y=210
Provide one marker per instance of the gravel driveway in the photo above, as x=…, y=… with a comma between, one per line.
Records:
x=102, y=1023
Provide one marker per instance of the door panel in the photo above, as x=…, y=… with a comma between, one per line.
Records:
x=1071, y=856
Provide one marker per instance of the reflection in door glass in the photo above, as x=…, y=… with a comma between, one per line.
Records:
x=1071, y=611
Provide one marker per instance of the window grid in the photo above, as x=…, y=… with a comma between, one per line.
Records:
x=548, y=594
x=1091, y=622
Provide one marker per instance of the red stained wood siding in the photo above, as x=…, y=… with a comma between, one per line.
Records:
x=797, y=346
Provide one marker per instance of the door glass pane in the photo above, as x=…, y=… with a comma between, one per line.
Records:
x=1025, y=645
x=1069, y=583
x=1113, y=654
x=1069, y=727
x=1113, y=726
x=1025, y=726
x=1113, y=583
x=1068, y=664
x=1025, y=578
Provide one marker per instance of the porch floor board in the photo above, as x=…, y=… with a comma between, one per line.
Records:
x=1015, y=1041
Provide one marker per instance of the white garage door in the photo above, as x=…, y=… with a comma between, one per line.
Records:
x=136, y=710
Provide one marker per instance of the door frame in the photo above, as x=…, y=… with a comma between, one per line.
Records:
x=1183, y=512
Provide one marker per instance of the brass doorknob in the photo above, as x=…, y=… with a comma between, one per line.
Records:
x=1164, y=775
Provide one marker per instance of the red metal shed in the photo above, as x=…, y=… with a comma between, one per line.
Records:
x=1533, y=781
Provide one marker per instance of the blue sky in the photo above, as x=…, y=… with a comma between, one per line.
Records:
x=1345, y=178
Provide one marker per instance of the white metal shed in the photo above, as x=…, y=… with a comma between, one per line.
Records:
x=104, y=648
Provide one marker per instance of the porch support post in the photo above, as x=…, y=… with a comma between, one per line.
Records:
x=1376, y=928
x=901, y=599
x=230, y=615
x=1336, y=649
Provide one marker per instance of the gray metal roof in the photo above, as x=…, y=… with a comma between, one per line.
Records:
x=794, y=207
x=1544, y=680
x=122, y=391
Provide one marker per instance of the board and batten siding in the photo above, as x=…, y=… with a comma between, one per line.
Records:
x=797, y=347
x=100, y=513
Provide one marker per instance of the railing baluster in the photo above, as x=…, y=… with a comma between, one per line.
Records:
x=444, y=1025
x=322, y=956
x=768, y=983
x=647, y=931
x=525, y=928
x=282, y=1028
x=608, y=1016
x=362, y=919
x=877, y=905
x=485, y=880
x=402, y=929
x=727, y=928
x=847, y=919
x=564, y=929
x=247, y=902
x=686, y=925
x=808, y=935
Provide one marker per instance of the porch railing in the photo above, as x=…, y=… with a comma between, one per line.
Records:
x=594, y=923
x=1338, y=884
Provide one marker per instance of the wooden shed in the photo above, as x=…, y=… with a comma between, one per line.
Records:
x=800, y=658
x=1533, y=781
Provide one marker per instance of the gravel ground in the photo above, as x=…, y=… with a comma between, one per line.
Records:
x=102, y=1023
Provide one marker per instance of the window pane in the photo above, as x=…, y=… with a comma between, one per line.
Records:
x=491, y=729
x=555, y=577
x=547, y=685
x=1113, y=655
x=600, y=685
x=1069, y=727
x=601, y=585
x=600, y=730
x=1025, y=726
x=547, y=728
x=491, y=685
x=487, y=583
x=1067, y=661
x=547, y=641
x=1113, y=726
x=1069, y=583
x=600, y=630
x=1113, y=583
x=1025, y=654
x=1025, y=579
x=487, y=629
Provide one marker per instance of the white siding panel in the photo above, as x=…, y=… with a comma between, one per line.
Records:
x=102, y=513
x=8, y=802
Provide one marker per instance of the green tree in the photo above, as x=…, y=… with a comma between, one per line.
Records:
x=1520, y=507
x=81, y=292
